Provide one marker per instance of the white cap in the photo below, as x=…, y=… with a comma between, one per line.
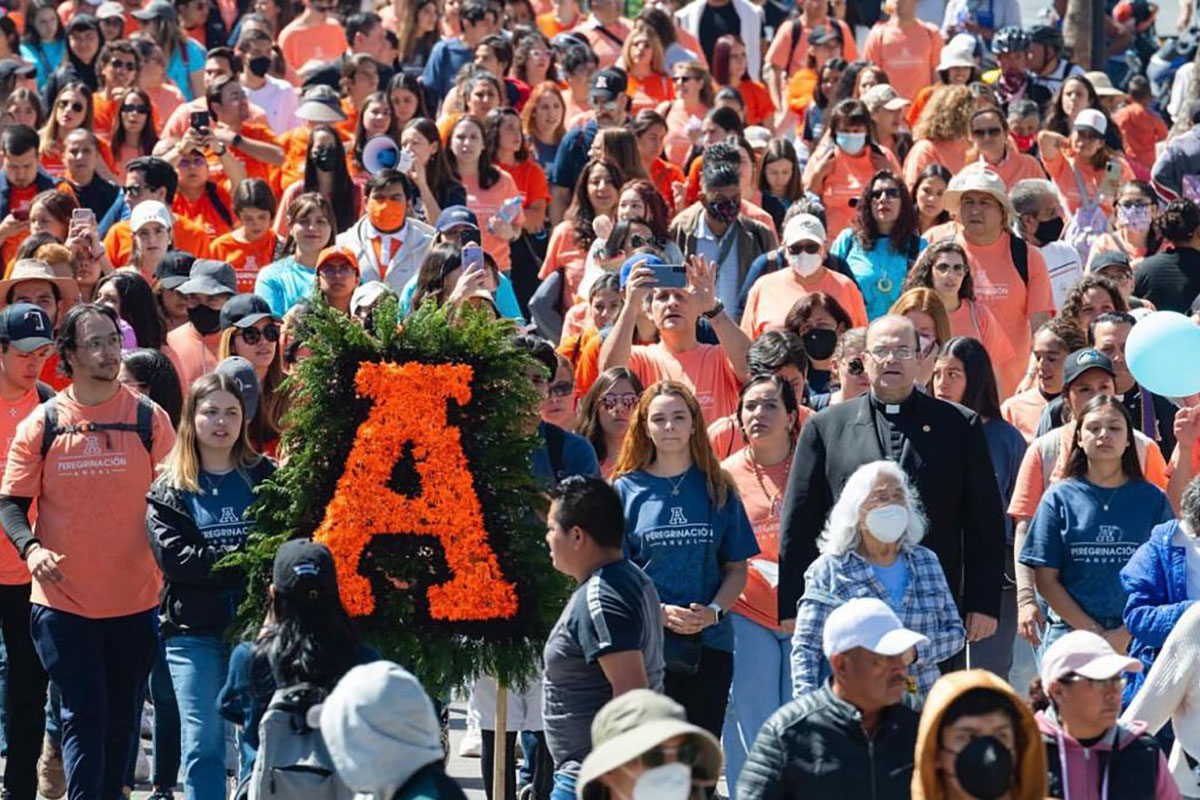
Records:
x=958, y=52
x=150, y=211
x=883, y=96
x=803, y=228
x=1087, y=654
x=869, y=623
x=758, y=136
x=110, y=9
x=1092, y=121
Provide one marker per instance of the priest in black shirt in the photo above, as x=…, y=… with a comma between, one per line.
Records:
x=1171, y=279
x=80, y=155
x=941, y=447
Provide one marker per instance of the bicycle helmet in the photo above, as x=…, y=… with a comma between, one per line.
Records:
x=1010, y=39
x=1046, y=35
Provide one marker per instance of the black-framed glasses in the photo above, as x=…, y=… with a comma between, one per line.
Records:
x=74, y=105
x=252, y=335
x=804, y=247
x=332, y=270
x=890, y=192
x=561, y=389
x=686, y=753
x=135, y=191
x=135, y=109
x=855, y=366
x=128, y=66
x=987, y=133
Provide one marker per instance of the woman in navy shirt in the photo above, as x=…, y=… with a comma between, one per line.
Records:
x=686, y=528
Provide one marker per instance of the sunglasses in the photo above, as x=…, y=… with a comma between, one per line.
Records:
x=1134, y=204
x=135, y=191
x=684, y=78
x=686, y=753
x=252, y=335
x=74, y=105
x=561, y=389
x=891, y=192
x=855, y=366
x=332, y=270
x=804, y=247
x=128, y=66
x=984, y=133
x=135, y=109
x=192, y=161
x=637, y=240
x=625, y=401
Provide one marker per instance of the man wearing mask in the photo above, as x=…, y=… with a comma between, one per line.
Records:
x=858, y=718
x=209, y=286
x=942, y=448
x=1014, y=81
x=715, y=228
x=1040, y=223
x=388, y=245
x=81, y=154
x=610, y=105
x=266, y=91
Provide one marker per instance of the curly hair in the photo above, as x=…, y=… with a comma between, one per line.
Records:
x=1073, y=304
x=946, y=117
x=921, y=274
x=866, y=227
x=1179, y=221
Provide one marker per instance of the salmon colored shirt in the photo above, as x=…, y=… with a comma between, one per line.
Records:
x=781, y=55
x=202, y=212
x=1024, y=411
x=1016, y=167
x=565, y=252
x=550, y=27
x=301, y=44
x=486, y=203
x=1141, y=130
x=677, y=144
x=13, y=570
x=607, y=49
x=909, y=53
x=1059, y=168
x=166, y=98
x=186, y=235
x=246, y=258
x=197, y=354
x=705, y=369
x=761, y=491
x=773, y=295
x=109, y=570
x=977, y=321
x=951, y=155
x=1110, y=241
x=1028, y=491
x=725, y=435
x=649, y=92
x=845, y=183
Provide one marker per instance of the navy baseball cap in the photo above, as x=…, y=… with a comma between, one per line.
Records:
x=210, y=277
x=174, y=269
x=305, y=569
x=243, y=374
x=26, y=327
x=1081, y=361
x=608, y=84
x=455, y=217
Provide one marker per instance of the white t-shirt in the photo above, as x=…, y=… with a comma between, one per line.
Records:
x=1191, y=548
x=1180, y=88
x=278, y=98
x=1064, y=268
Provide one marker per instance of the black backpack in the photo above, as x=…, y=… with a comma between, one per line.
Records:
x=143, y=427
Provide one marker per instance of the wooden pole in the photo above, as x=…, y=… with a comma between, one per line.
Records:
x=500, y=754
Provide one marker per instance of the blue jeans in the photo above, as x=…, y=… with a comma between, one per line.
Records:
x=99, y=667
x=165, y=772
x=762, y=682
x=198, y=665
x=564, y=787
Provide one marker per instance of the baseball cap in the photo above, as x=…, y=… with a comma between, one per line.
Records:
x=758, y=136
x=174, y=268
x=456, y=217
x=608, y=84
x=150, y=211
x=803, y=228
x=26, y=327
x=243, y=310
x=243, y=374
x=304, y=568
x=883, y=96
x=1091, y=121
x=824, y=34
x=10, y=67
x=631, y=725
x=86, y=22
x=367, y=295
x=1110, y=258
x=210, y=277
x=337, y=253
x=1081, y=361
x=638, y=260
x=1085, y=654
x=869, y=623
x=110, y=9
x=320, y=103
x=159, y=9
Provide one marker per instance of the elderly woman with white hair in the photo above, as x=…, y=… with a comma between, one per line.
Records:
x=870, y=548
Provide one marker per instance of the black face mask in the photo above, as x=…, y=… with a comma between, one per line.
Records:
x=725, y=211
x=259, y=65
x=1049, y=230
x=204, y=319
x=984, y=768
x=324, y=158
x=819, y=343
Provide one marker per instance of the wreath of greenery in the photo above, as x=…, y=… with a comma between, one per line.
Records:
x=323, y=424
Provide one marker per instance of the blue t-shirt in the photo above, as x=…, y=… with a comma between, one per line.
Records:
x=445, y=60
x=572, y=155
x=578, y=457
x=879, y=272
x=45, y=58
x=179, y=71
x=1072, y=533
x=682, y=540
x=284, y=283
x=220, y=510
x=894, y=579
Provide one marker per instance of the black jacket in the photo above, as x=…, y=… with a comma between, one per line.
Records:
x=193, y=599
x=946, y=456
x=816, y=748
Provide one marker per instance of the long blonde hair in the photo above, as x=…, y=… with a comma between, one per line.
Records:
x=181, y=468
x=638, y=451
x=271, y=401
x=657, y=58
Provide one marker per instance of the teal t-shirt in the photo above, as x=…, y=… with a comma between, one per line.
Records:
x=178, y=71
x=879, y=272
x=894, y=579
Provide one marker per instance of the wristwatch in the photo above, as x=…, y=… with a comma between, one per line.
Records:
x=222, y=151
x=720, y=612
x=712, y=312
x=237, y=140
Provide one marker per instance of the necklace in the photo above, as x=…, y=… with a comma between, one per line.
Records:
x=776, y=498
x=677, y=485
x=213, y=488
x=1111, y=494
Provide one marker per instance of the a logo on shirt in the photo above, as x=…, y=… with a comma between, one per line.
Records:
x=91, y=446
x=12, y=411
x=92, y=460
x=228, y=516
x=1108, y=534
x=677, y=517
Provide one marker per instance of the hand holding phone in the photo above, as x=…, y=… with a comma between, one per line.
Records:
x=472, y=257
x=669, y=276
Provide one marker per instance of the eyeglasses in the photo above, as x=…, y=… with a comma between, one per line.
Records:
x=987, y=133
x=192, y=161
x=333, y=270
x=135, y=191
x=880, y=354
x=135, y=109
x=891, y=192
x=684, y=78
x=686, y=753
x=1134, y=204
x=625, y=401
x=99, y=344
x=539, y=53
x=128, y=66
x=804, y=247
x=942, y=268
x=561, y=389
x=637, y=240
x=855, y=367
x=252, y=335
x=74, y=105
x=1098, y=683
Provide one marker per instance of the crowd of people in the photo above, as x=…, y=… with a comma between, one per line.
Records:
x=826, y=305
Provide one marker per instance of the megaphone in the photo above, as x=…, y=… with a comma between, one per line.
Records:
x=380, y=153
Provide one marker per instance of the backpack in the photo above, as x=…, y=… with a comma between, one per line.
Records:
x=143, y=427
x=293, y=762
x=556, y=439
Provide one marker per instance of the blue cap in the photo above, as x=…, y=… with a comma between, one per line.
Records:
x=456, y=216
x=638, y=260
x=26, y=327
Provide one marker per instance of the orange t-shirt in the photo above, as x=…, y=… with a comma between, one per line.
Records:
x=51, y=376
x=109, y=570
x=781, y=55
x=759, y=105
x=486, y=204
x=650, y=91
x=1059, y=168
x=246, y=258
x=203, y=212
x=773, y=295
x=951, y=155
x=186, y=235
x=259, y=132
x=664, y=175
x=564, y=251
x=19, y=200
x=1028, y=491
x=761, y=491
x=977, y=321
x=1017, y=167
x=845, y=183
x=909, y=53
x=913, y=112
x=530, y=179
x=197, y=354
x=13, y=571
x=1024, y=411
x=550, y=27
x=705, y=369
x=1141, y=130
x=301, y=44
x=999, y=287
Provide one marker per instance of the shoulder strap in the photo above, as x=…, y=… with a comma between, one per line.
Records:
x=605, y=32
x=795, y=43
x=555, y=442
x=50, y=428
x=210, y=189
x=145, y=422
x=44, y=390
x=1018, y=249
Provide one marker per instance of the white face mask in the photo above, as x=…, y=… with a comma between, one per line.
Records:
x=805, y=263
x=669, y=782
x=887, y=523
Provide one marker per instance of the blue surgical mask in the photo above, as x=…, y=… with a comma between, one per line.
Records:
x=851, y=143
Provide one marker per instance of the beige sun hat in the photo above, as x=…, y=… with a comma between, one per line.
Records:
x=978, y=178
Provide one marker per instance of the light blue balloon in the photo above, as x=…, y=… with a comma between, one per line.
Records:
x=1163, y=353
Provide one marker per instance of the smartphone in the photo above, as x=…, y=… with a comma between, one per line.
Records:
x=472, y=257
x=199, y=120
x=21, y=214
x=669, y=276
x=404, y=161
x=83, y=217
